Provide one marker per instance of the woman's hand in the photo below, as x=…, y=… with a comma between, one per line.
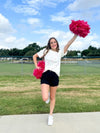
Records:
x=37, y=67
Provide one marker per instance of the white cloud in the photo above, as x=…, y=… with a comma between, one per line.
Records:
x=95, y=44
x=79, y=9
x=10, y=39
x=65, y=19
x=25, y=10
x=27, y=7
x=43, y=31
x=5, y=26
x=87, y=15
x=63, y=0
x=31, y=2
x=31, y=23
x=2, y=46
x=13, y=42
x=20, y=43
x=84, y=43
x=31, y=7
x=61, y=17
x=7, y=40
x=83, y=4
x=63, y=37
x=34, y=22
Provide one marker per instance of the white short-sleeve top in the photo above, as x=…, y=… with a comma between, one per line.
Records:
x=52, y=59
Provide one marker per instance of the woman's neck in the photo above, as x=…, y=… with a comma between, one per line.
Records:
x=54, y=50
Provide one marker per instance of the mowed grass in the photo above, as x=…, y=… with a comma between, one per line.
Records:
x=21, y=93
x=16, y=69
x=27, y=69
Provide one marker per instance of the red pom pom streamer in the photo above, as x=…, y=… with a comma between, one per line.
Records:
x=80, y=27
x=41, y=64
x=38, y=72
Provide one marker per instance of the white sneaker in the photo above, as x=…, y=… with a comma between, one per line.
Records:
x=48, y=100
x=50, y=120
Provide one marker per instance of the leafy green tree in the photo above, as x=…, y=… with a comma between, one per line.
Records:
x=4, y=52
x=91, y=51
x=73, y=52
x=33, y=47
x=91, y=48
x=14, y=52
x=29, y=53
x=85, y=52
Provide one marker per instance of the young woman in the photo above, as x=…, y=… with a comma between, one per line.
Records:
x=50, y=77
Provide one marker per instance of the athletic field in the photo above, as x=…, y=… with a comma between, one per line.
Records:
x=20, y=93
x=66, y=69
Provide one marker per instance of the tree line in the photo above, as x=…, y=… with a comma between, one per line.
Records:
x=91, y=51
x=31, y=49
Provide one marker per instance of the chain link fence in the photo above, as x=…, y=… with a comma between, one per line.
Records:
x=71, y=65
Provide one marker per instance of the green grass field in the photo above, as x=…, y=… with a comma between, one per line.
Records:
x=27, y=69
x=20, y=93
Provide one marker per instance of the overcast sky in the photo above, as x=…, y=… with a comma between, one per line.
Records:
x=26, y=21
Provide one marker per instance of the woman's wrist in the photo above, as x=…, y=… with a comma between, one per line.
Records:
x=75, y=35
x=37, y=66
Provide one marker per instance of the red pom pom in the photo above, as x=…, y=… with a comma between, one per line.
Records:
x=80, y=27
x=38, y=72
x=41, y=64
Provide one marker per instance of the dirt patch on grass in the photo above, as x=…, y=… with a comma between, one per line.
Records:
x=32, y=94
x=36, y=86
x=79, y=86
x=73, y=86
x=80, y=94
x=72, y=93
x=20, y=88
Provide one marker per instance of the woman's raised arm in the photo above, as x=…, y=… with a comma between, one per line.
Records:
x=69, y=43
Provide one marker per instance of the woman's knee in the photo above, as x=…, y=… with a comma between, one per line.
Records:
x=52, y=98
x=45, y=98
x=45, y=90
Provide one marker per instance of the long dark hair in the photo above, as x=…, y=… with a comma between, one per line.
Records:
x=48, y=47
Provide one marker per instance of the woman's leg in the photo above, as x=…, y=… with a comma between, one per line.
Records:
x=52, y=98
x=45, y=90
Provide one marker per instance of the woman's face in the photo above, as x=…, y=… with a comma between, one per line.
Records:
x=53, y=44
